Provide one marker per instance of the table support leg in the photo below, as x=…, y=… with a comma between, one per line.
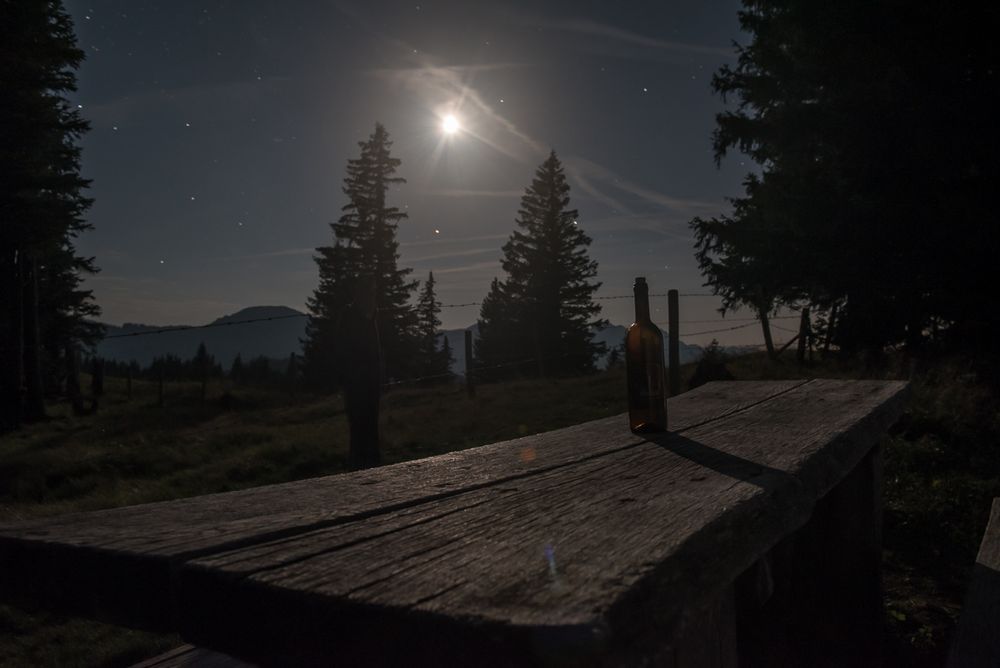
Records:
x=826, y=609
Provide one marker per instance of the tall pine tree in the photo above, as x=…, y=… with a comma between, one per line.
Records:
x=545, y=309
x=365, y=249
x=431, y=360
x=42, y=306
x=502, y=341
x=877, y=173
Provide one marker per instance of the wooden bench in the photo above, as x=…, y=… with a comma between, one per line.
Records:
x=749, y=533
x=977, y=638
x=189, y=656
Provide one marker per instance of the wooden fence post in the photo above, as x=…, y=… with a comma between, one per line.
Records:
x=763, y=307
x=830, y=325
x=803, y=336
x=160, y=398
x=674, y=345
x=128, y=383
x=470, y=386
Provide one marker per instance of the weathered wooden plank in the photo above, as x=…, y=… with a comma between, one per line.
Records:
x=572, y=561
x=189, y=656
x=187, y=526
x=977, y=639
x=117, y=564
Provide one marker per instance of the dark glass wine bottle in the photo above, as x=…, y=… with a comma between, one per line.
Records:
x=647, y=406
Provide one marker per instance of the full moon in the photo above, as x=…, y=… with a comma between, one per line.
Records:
x=449, y=125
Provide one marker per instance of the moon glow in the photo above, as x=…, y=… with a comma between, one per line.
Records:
x=450, y=125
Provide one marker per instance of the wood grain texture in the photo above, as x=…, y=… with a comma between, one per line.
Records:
x=977, y=639
x=118, y=564
x=590, y=559
x=189, y=656
x=597, y=543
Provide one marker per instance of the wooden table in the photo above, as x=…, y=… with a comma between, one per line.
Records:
x=749, y=533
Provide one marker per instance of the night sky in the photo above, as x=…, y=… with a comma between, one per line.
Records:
x=221, y=130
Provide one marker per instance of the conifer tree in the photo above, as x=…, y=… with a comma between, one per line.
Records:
x=877, y=169
x=446, y=356
x=365, y=248
x=42, y=307
x=501, y=341
x=236, y=372
x=432, y=361
x=544, y=310
x=202, y=363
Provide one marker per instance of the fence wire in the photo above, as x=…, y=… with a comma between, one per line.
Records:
x=232, y=323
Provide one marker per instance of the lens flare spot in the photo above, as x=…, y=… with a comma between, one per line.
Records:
x=450, y=124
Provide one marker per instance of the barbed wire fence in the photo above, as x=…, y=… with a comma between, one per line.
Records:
x=231, y=323
x=472, y=369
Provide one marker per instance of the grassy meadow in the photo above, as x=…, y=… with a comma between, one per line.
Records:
x=942, y=468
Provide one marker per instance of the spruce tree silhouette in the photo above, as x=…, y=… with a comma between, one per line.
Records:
x=877, y=155
x=43, y=310
x=544, y=310
x=431, y=359
x=365, y=248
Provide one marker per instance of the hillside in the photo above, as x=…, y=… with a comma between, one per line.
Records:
x=275, y=339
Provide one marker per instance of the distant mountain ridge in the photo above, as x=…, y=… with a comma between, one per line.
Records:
x=276, y=339
x=277, y=335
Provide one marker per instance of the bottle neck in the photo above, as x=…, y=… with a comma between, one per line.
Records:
x=642, y=304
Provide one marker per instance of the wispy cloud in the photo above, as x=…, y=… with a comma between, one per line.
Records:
x=495, y=264
x=126, y=283
x=446, y=89
x=613, y=33
x=452, y=240
x=460, y=253
x=599, y=182
x=285, y=252
x=223, y=95
x=634, y=228
x=458, y=192
x=581, y=179
x=462, y=69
